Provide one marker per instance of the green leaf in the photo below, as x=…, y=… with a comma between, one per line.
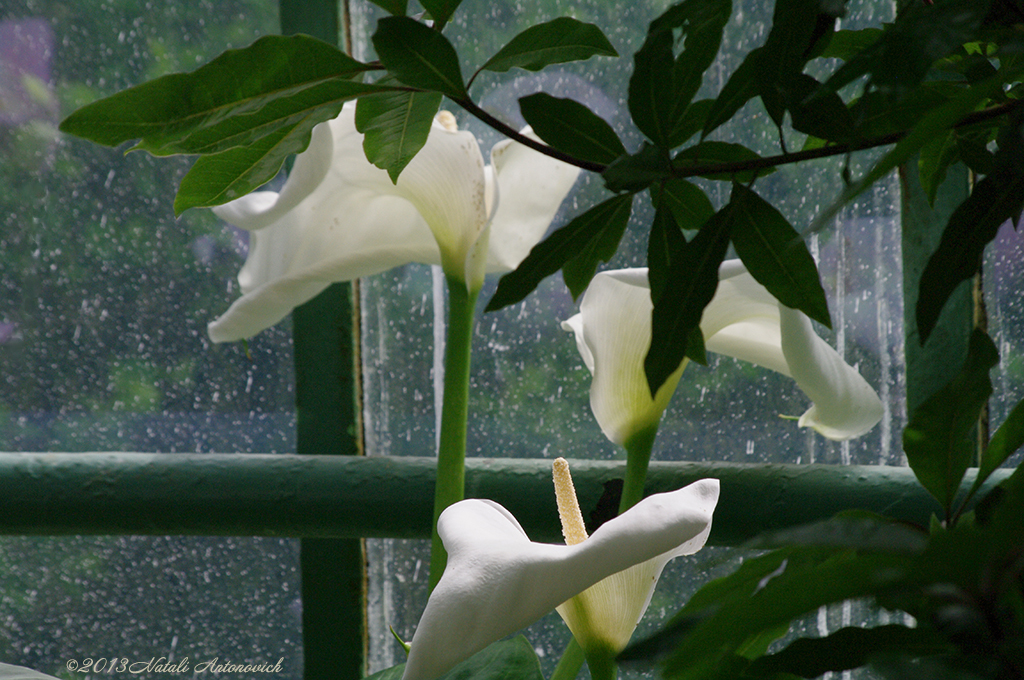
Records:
x=785, y=51
x=397, y=8
x=396, y=126
x=691, y=158
x=903, y=54
x=636, y=172
x=218, y=178
x=935, y=158
x=440, y=10
x=571, y=127
x=419, y=56
x=936, y=122
x=691, y=281
x=236, y=98
x=305, y=109
x=817, y=111
x=847, y=44
x=995, y=199
x=502, y=660
x=596, y=225
x=599, y=246
x=853, y=529
x=691, y=122
x=663, y=85
x=804, y=579
x=849, y=648
x=776, y=256
x=664, y=244
x=742, y=86
x=690, y=206
x=1004, y=443
x=938, y=440
x=558, y=41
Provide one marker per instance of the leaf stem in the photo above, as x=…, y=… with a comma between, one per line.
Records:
x=451, y=452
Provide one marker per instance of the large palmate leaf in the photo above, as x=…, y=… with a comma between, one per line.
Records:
x=938, y=440
x=235, y=99
x=690, y=283
x=589, y=237
x=571, y=127
x=419, y=56
x=555, y=42
x=395, y=126
x=776, y=256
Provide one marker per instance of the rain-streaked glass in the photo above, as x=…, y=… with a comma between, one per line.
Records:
x=529, y=388
x=104, y=301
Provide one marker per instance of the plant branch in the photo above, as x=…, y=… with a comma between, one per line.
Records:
x=733, y=167
x=504, y=129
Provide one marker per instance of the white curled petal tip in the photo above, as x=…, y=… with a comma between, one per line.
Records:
x=845, y=405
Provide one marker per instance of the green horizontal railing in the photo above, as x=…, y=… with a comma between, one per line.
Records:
x=339, y=496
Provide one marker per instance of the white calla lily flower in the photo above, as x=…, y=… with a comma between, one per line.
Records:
x=744, y=321
x=338, y=217
x=497, y=581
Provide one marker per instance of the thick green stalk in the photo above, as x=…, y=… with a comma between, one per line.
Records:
x=451, y=451
x=569, y=665
x=638, y=456
x=602, y=665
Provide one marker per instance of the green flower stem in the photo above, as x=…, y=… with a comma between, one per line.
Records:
x=638, y=456
x=569, y=665
x=602, y=665
x=451, y=453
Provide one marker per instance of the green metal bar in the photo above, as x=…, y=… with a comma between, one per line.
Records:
x=379, y=496
x=325, y=331
x=334, y=627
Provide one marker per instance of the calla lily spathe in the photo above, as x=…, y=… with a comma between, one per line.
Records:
x=497, y=581
x=338, y=217
x=743, y=320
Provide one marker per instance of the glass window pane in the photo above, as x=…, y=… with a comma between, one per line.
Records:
x=104, y=301
x=529, y=395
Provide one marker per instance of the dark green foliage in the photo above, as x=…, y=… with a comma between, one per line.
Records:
x=938, y=440
x=555, y=42
x=571, y=127
x=575, y=248
x=418, y=56
x=395, y=126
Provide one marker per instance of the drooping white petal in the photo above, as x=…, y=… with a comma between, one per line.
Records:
x=845, y=406
x=531, y=187
x=744, y=321
x=613, y=333
x=497, y=581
